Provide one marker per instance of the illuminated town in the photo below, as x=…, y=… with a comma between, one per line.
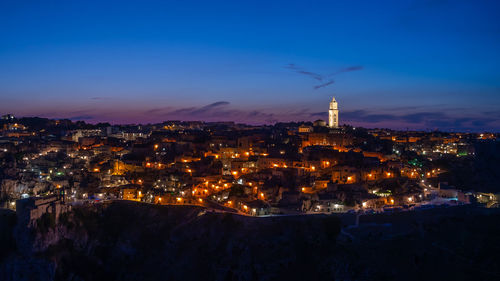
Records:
x=286, y=168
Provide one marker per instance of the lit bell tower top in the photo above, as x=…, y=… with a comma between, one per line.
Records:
x=333, y=104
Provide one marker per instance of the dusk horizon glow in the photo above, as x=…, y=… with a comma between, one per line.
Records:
x=418, y=65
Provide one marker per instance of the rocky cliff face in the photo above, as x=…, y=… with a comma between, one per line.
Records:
x=11, y=188
x=133, y=241
x=129, y=241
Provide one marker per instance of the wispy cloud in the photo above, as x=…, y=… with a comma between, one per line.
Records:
x=348, y=69
x=300, y=70
x=325, y=80
x=210, y=107
x=82, y=117
x=422, y=120
x=324, y=84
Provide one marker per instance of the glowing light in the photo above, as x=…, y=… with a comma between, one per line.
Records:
x=364, y=204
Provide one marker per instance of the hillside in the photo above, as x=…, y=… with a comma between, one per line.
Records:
x=133, y=241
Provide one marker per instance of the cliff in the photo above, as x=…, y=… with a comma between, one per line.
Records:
x=134, y=241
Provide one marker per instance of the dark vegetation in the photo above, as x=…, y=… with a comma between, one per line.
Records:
x=479, y=173
x=7, y=223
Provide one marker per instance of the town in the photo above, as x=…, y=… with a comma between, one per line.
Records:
x=281, y=169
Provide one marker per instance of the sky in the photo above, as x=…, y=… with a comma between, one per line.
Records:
x=425, y=65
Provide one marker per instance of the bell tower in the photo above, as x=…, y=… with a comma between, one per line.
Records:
x=333, y=114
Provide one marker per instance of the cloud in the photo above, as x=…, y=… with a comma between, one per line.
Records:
x=157, y=110
x=365, y=116
x=299, y=70
x=217, y=111
x=421, y=120
x=82, y=117
x=325, y=79
x=324, y=84
x=352, y=68
x=348, y=69
x=209, y=107
x=323, y=113
x=422, y=116
x=196, y=111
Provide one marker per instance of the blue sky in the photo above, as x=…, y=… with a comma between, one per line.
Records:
x=430, y=64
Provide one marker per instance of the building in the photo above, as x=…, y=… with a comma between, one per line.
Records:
x=30, y=210
x=338, y=139
x=305, y=129
x=319, y=123
x=333, y=114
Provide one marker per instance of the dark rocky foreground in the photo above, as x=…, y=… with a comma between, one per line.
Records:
x=132, y=241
